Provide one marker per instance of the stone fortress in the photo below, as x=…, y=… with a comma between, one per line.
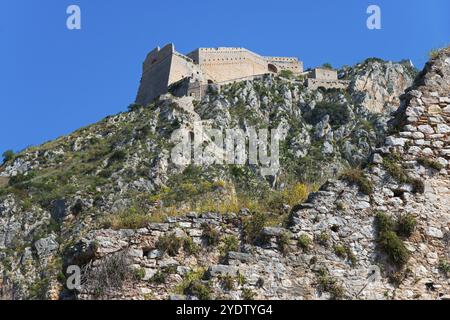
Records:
x=166, y=70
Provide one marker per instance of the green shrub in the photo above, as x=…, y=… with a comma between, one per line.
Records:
x=38, y=290
x=406, y=225
x=134, y=107
x=253, y=227
x=188, y=278
x=384, y=222
x=339, y=114
x=199, y=289
x=117, y=156
x=283, y=242
x=340, y=251
x=210, y=234
x=392, y=164
x=329, y=284
x=394, y=248
x=240, y=279
x=388, y=240
x=105, y=173
x=444, y=267
x=227, y=282
x=304, y=242
x=288, y=74
x=139, y=273
x=323, y=239
x=8, y=155
x=248, y=294
x=230, y=243
x=428, y=162
x=22, y=180
x=189, y=246
x=357, y=176
x=159, y=277
x=169, y=244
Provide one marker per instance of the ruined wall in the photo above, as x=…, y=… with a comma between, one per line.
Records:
x=325, y=78
x=315, y=84
x=324, y=74
x=189, y=87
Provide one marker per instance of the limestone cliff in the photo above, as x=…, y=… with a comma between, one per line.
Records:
x=379, y=85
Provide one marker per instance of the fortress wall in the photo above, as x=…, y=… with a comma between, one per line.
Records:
x=155, y=75
x=324, y=74
x=286, y=63
x=194, y=55
x=164, y=67
x=224, y=64
x=182, y=67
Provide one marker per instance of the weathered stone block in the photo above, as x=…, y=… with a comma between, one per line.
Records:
x=426, y=129
x=393, y=141
x=240, y=256
x=45, y=246
x=442, y=128
x=434, y=233
x=418, y=135
x=434, y=109
x=221, y=270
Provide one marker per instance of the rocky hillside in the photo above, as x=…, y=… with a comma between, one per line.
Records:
x=352, y=197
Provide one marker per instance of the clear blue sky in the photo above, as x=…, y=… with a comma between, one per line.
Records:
x=53, y=80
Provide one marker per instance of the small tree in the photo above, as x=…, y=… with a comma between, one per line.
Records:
x=288, y=74
x=8, y=155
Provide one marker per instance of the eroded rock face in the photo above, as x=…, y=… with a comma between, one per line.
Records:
x=379, y=86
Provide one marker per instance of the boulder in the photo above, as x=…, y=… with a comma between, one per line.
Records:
x=45, y=246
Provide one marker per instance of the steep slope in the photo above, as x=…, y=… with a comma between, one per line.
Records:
x=106, y=193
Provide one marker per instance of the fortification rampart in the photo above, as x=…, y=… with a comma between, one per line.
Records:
x=165, y=67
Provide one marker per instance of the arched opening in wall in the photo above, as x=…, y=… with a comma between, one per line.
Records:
x=272, y=68
x=210, y=81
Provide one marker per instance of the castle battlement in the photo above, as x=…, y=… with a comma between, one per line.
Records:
x=165, y=67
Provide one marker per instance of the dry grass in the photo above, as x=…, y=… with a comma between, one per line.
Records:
x=226, y=201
